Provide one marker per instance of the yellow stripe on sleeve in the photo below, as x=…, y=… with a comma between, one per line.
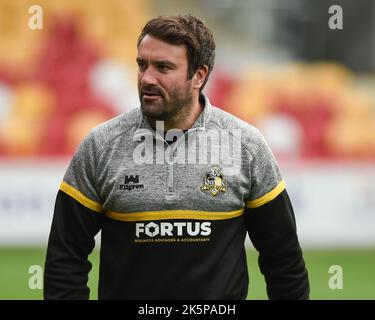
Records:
x=82, y=199
x=267, y=197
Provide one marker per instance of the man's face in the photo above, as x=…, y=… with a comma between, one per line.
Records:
x=163, y=85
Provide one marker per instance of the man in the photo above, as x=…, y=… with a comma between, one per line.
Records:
x=172, y=227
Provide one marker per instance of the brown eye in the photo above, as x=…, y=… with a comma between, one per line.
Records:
x=142, y=66
x=163, y=68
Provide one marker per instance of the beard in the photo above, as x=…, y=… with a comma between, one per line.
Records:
x=164, y=108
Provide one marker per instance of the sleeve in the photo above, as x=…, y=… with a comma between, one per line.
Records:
x=272, y=229
x=76, y=220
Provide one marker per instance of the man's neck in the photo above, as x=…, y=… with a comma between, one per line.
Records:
x=184, y=120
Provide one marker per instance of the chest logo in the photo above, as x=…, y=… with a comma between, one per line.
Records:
x=130, y=183
x=214, y=182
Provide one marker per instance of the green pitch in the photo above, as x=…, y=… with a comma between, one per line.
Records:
x=358, y=273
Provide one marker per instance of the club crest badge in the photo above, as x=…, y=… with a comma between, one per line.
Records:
x=214, y=182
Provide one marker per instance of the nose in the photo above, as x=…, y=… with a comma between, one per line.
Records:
x=147, y=77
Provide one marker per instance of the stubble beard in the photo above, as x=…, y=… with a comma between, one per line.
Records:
x=180, y=102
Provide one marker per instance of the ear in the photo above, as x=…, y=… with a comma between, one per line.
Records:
x=200, y=76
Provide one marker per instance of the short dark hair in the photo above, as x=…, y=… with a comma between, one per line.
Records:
x=187, y=30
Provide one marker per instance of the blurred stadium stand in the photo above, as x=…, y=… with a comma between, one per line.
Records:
x=57, y=83
x=49, y=100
